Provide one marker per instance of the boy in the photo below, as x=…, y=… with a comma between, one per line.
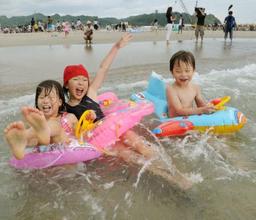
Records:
x=182, y=93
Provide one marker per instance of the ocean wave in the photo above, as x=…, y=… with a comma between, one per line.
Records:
x=12, y=105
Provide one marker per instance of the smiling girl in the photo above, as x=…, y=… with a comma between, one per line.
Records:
x=48, y=124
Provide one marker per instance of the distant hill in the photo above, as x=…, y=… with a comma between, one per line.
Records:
x=147, y=19
x=140, y=20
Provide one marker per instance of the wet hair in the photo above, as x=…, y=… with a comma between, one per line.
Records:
x=48, y=86
x=182, y=56
x=169, y=12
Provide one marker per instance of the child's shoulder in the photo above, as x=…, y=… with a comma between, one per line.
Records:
x=70, y=117
x=171, y=88
x=169, y=85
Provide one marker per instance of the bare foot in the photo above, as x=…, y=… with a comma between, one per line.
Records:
x=37, y=121
x=15, y=134
x=174, y=178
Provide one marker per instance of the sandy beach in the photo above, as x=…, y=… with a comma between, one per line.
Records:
x=55, y=38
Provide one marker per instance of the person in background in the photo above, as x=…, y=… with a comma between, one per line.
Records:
x=49, y=24
x=79, y=25
x=95, y=25
x=155, y=25
x=32, y=23
x=181, y=24
x=88, y=33
x=229, y=25
x=200, y=14
x=170, y=19
x=66, y=28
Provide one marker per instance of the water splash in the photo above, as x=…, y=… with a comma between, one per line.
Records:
x=96, y=208
x=159, y=148
x=146, y=164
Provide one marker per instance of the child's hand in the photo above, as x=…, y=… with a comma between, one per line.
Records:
x=91, y=116
x=208, y=109
x=124, y=40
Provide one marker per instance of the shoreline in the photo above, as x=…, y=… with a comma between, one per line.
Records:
x=104, y=37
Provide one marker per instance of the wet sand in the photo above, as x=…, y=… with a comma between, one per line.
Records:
x=24, y=39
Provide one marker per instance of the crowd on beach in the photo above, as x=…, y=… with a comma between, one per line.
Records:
x=48, y=26
x=61, y=26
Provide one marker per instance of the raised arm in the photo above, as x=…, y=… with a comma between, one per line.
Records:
x=202, y=12
x=106, y=63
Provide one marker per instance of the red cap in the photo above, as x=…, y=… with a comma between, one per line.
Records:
x=73, y=71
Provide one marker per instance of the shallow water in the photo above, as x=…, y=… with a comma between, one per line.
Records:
x=223, y=168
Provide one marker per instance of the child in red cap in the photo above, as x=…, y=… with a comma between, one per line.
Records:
x=82, y=96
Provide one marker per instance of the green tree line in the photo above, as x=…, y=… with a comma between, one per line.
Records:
x=140, y=20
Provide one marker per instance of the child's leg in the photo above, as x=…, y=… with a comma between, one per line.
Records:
x=158, y=167
x=197, y=33
x=15, y=134
x=133, y=140
x=231, y=34
x=126, y=154
x=155, y=167
x=226, y=34
x=176, y=177
x=202, y=33
x=37, y=121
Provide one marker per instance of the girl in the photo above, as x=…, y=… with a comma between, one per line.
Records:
x=66, y=28
x=48, y=123
x=82, y=96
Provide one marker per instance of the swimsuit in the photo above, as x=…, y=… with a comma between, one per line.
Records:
x=68, y=130
x=65, y=125
x=86, y=104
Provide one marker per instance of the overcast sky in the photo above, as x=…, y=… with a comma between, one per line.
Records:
x=244, y=10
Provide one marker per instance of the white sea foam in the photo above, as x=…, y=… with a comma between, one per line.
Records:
x=125, y=86
x=244, y=76
x=94, y=204
x=108, y=185
x=195, y=177
x=11, y=106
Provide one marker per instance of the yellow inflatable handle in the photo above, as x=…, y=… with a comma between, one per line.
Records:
x=220, y=102
x=84, y=124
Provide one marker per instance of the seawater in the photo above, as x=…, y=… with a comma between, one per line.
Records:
x=221, y=167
